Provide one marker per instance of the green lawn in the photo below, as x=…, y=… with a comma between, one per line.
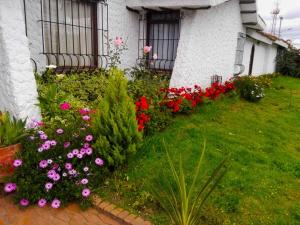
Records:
x=262, y=185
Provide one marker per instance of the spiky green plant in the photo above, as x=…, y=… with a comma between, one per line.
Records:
x=182, y=203
x=11, y=130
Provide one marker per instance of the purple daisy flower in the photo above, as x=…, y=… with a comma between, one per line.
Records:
x=86, y=118
x=75, y=151
x=10, y=187
x=72, y=172
x=46, y=146
x=56, y=177
x=41, y=132
x=24, y=202
x=68, y=166
x=51, y=174
x=53, y=143
x=82, y=151
x=86, y=145
x=89, y=138
x=49, y=161
x=43, y=136
x=70, y=155
x=42, y=202
x=43, y=164
x=55, y=204
x=86, y=169
x=41, y=149
x=79, y=156
x=17, y=163
x=84, y=181
x=86, y=192
x=99, y=162
x=89, y=151
x=48, y=186
x=60, y=131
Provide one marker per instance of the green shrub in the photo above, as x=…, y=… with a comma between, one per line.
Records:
x=145, y=83
x=288, y=62
x=115, y=125
x=249, y=88
x=11, y=130
x=79, y=89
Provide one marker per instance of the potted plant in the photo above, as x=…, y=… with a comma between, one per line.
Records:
x=11, y=131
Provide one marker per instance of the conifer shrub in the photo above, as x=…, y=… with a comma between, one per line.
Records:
x=115, y=126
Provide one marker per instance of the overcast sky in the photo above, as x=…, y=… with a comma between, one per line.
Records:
x=290, y=10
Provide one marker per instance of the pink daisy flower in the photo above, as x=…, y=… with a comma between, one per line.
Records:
x=55, y=204
x=68, y=166
x=48, y=186
x=89, y=138
x=17, y=163
x=10, y=187
x=24, y=202
x=99, y=162
x=43, y=164
x=70, y=155
x=84, y=181
x=42, y=202
x=86, y=192
x=59, y=131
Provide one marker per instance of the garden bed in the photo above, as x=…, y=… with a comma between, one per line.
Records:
x=262, y=184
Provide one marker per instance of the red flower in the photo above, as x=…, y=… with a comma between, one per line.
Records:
x=176, y=108
x=144, y=104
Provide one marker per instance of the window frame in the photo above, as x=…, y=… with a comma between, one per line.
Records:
x=91, y=59
x=148, y=22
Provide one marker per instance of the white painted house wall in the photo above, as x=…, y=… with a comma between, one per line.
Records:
x=18, y=93
x=124, y=23
x=264, y=57
x=207, y=45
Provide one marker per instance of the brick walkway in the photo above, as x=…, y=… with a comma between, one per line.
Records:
x=10, y=214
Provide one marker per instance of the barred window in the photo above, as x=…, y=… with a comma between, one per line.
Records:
x=161, y=30
x=75, y=33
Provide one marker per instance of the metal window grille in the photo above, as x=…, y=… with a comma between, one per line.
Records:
x=74, y=33
x=161, y=30
x=216, y=79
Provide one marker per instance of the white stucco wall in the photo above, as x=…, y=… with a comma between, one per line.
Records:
x=18, y=93
x=124, y=23
x=264, y=57
x=34, y=33
x=207, y=44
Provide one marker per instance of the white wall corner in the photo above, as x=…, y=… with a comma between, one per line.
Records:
x=18, y=91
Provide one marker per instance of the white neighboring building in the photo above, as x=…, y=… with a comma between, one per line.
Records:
x=193, y=40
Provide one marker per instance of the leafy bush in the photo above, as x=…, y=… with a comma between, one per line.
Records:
x=249, y=88
x=288, y=63
x=79, y=89
x=150, y=117
x=12, y=130
x=183, y=204
x=58, y=165
x=115, y=125
x=145, y=83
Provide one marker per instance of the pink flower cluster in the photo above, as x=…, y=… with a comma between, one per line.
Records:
x=64, y=167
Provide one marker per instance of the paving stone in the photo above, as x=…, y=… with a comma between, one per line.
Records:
x=71, y=215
